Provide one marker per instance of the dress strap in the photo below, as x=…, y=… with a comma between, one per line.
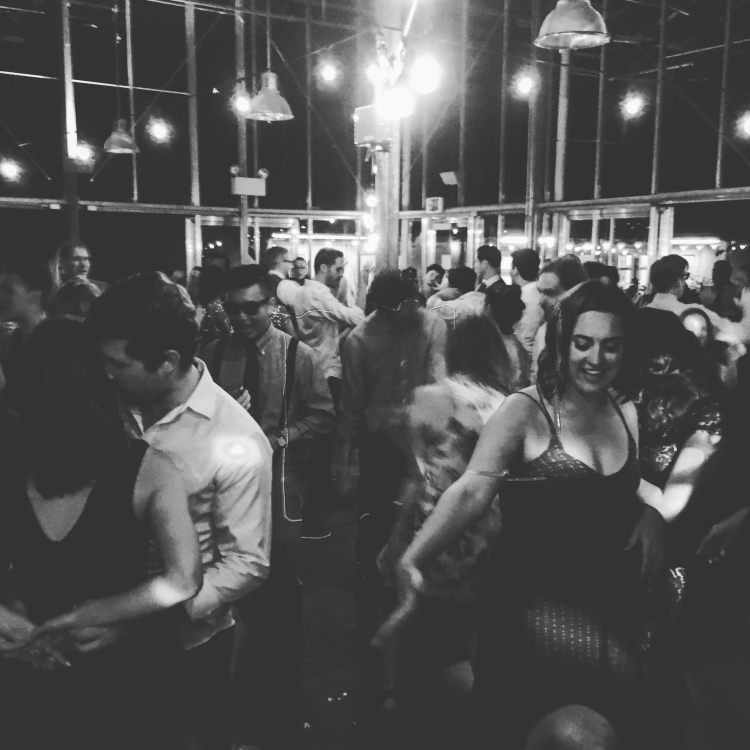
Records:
x=543, y=409
x=622, y=417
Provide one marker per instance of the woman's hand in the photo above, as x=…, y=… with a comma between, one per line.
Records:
x=718, y=542
x=61, y=623
x=648, y=534
x=16, y=630
x=410, y=583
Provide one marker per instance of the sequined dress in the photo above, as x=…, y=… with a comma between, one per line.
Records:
x=564, y=609
x=664, y=431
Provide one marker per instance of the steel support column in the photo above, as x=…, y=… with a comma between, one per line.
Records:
x=599, y=134
x=561, y=145
x=308, y=107
x=195, y=192
x=131, y=91
x=463, y=84
x=254, y=127
x=535, y=117
x=388, y=162
x=239, y=54
x=69, y=126
x=660, y=79
x=724, y=90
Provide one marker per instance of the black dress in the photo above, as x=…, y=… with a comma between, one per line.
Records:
x=122, y=695
x=564, y=611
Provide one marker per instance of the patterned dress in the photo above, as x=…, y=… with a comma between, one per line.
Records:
x=664, y=430
x=445, y=445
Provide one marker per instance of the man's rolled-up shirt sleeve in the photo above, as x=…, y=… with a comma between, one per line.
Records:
x=241, y=517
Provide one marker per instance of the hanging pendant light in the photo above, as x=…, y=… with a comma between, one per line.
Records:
x=268, y=105
x=121, y=141
x=573, y=24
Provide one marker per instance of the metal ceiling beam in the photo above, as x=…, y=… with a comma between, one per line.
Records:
x=17, y=74
x=206, y=6
x=660, y=199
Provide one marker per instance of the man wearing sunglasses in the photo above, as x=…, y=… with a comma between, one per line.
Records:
x=280, y=382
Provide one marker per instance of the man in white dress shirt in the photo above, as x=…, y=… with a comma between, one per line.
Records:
x=320, y=319
x=146, y=331
x=524, y=273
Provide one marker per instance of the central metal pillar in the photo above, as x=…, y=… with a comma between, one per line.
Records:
x=561, y=147
x=239, y=51
x=388, y=161
x=69, y=127
x=194, y=257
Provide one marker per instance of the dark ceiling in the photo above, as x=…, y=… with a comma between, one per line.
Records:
x=30, y=114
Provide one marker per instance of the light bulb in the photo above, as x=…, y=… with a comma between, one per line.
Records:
x=633, y=105
x=398, y=102
x=85, y=153
x=328, y=72
x=159, y=130
x=425, y=74
x=743, y=125
x=10, y=170
x=525, y=83
x=241, y=103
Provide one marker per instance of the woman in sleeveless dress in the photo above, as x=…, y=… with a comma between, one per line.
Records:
x=444, y=423
x=79, y=504
x=565, y=603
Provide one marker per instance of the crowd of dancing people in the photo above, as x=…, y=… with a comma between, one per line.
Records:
x=549, y=468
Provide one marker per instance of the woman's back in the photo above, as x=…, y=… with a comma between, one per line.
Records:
x=105, y=551
x=446, y=421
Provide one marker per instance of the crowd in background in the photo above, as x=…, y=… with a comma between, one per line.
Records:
x=547, y=466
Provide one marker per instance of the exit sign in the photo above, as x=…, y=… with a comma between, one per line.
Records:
x=434, y=205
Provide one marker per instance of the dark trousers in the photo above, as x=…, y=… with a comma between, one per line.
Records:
x=318, y=501
x=267, y=683
x=382, y=469
x=334, y=385
x=206, y=679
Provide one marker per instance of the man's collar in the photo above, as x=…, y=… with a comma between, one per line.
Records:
x=492, y=280
x=202, y=400
x=274, y=272
x=266, y=338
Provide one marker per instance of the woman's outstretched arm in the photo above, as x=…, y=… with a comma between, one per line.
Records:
x=462, y=504
x=160, y=498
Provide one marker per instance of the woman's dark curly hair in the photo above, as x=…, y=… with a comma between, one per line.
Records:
x=591, y=296
x=476, y=350
x=674, y=372
x=506, y=307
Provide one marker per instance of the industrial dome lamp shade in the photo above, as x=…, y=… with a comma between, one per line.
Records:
x=121, y=141
x=573, y=24
x=268, y=105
